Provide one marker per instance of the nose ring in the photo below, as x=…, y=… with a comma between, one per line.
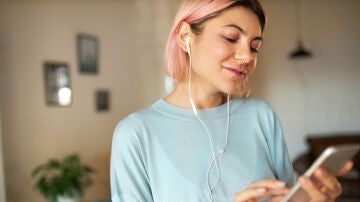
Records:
x=244, y=61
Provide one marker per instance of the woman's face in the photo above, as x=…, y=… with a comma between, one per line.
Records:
x=225, y=53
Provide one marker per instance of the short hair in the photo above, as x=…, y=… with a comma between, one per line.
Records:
x=195, y=13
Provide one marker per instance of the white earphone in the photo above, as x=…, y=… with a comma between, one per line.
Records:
x=187, y=40
x=223, y=149
x=193, y=106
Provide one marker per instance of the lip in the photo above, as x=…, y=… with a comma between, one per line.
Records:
x=239, y=73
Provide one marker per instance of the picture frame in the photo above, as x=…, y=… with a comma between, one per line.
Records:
x=57, y=84
x=88, y=53
x=102, y=98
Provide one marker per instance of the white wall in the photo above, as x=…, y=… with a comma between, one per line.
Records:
x=317, y=95
x=131, y=34
x=312, y=96
x=2, y=177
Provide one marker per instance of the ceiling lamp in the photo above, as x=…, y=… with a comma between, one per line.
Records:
x=300, y=51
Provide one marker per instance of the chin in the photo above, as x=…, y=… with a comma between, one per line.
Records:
x=235, y=91
x=230, y=91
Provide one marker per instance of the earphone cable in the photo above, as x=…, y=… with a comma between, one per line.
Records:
x=222, y=150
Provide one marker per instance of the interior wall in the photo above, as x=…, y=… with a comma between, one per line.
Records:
x=319, y=95
x=2, y=177
x=130, y=67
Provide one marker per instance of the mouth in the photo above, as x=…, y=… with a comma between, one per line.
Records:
x=239, y=73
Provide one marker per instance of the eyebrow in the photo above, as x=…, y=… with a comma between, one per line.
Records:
x=243, y=31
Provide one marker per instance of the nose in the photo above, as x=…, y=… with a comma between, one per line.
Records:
x=243, y=55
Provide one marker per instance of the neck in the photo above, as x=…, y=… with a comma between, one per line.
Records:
x=202, y=98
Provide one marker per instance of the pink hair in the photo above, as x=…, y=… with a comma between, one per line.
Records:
x=176, y=60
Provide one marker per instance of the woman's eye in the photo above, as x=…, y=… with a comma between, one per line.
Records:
x=254, y=50
x=231, y=40
x=255, y=47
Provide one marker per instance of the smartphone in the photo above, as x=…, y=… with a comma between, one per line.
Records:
x=332, y=159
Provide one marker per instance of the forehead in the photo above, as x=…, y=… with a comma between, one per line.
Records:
x=240, y=16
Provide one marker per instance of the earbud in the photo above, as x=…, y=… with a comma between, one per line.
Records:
x=187, y=40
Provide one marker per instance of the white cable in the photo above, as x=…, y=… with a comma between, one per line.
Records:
x=193, y=106
x=222, y=150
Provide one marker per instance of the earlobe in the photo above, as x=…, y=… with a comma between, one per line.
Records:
x=183, y=36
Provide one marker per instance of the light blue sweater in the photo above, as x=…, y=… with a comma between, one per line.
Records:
x=162, y=153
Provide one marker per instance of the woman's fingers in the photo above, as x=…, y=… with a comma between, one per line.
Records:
x=323, y=186
x=312, y=190
x=268, y=183
x=250, y=194
x=254, y=194
x=346, y=168
x=275, y=199
x=260, y=189
x=330, y=185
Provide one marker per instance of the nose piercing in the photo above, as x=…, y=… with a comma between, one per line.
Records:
x=244, y=61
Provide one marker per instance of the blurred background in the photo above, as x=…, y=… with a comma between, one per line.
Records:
x=316, y=95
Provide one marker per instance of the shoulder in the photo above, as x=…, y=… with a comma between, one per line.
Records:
x=137, y=122
x=260, y=103
x=135, y=119
x=254, y=104
x=133, y=124
x=259, y=111
x=129, y=123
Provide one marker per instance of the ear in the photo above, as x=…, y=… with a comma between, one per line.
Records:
x=184, y=32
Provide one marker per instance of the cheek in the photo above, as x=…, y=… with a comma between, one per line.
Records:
x=218, y=52
x=210, y=55
x=222, y=50
x=213, y=49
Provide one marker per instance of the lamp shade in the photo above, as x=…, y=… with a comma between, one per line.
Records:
x=300, y=52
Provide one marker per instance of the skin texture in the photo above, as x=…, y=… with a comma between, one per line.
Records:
x=223, y=57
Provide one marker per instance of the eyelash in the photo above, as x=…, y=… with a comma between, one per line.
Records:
x=254, y=50
x=230, y=40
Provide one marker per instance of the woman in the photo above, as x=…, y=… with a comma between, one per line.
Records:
x=202, y=142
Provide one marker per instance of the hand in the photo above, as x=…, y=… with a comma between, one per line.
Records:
x=262, y=188
x=324, y=186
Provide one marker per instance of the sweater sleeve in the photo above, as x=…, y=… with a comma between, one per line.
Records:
x=128, y=176
x=280, y=155
x=280, y=160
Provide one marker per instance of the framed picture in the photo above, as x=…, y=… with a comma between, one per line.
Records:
x=57, y=84
x=102, y=100
x=88, y=53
